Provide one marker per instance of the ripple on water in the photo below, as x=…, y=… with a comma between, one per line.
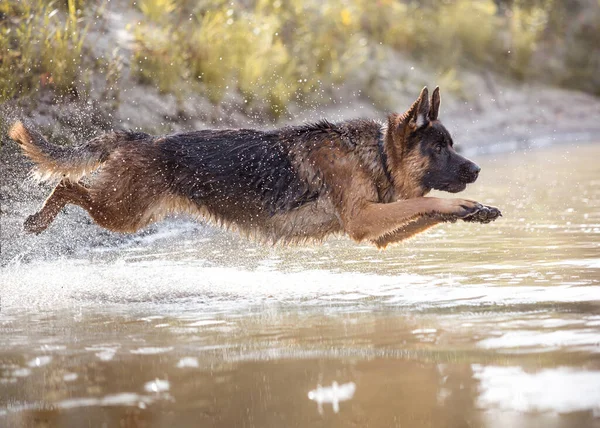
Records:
x=151, y=350
x=40, y=361
x=191, y=362
x=42, y=285
x=560, y=390
x=157, y=385
x=581, y=339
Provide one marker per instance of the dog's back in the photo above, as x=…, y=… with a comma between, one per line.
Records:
x=238, y=169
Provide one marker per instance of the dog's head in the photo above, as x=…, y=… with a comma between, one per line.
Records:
x=421, y=151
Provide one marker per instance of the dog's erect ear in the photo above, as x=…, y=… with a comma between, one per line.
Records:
x=435, y=104
x=423, y=109
x=418, y=114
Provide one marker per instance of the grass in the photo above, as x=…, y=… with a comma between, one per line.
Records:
x=274, y=52
x=41, y=45
x=271, y=54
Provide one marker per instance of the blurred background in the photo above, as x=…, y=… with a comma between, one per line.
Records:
x=79, y=66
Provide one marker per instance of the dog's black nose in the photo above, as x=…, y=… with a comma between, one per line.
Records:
x=469, y=172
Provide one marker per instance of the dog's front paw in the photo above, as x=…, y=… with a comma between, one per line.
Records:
x=452, y=210
x=456, y=209
x=484, y=214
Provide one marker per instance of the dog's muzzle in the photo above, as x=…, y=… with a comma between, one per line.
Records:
x=469, y=172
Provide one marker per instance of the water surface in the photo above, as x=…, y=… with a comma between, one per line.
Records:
x=492, y=325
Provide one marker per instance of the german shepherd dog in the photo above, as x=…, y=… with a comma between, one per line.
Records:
x=360, y=177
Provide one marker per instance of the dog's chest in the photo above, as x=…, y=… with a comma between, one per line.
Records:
x=385, y=192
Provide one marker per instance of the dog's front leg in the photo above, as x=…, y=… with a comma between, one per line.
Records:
x=484, y=214
x=407, y=231
x=378, y=222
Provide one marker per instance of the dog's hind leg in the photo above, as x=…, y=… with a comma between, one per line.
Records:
x=106, y=210
x=105, y=213
x=67, y=192
x=60, y=196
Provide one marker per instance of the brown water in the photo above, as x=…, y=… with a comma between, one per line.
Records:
x=466, y=326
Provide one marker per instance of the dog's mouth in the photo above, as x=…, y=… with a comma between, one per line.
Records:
x=453, y=187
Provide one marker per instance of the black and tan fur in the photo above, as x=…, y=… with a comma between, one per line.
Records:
x=358, y=177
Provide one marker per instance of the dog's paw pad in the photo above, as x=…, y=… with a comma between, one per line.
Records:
x=485, y=214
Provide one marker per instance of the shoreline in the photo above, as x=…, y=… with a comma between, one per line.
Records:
x=517, y=142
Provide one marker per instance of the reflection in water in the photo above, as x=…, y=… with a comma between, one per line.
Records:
x=157, y=385
x=560, y=390
x=469, y=325
x=332, y=394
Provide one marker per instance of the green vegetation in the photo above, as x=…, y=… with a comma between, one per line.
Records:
x=40, y=45
x=273, y=52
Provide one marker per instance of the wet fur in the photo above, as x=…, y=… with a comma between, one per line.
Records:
x=291, y=184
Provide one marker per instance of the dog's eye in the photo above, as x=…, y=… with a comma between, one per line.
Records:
x=438, y=148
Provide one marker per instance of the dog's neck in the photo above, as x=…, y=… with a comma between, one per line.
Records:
x=398, y=177
x=383, y=155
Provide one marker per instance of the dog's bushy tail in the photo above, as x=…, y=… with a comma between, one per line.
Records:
x=51, y=161
x=54, y=162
